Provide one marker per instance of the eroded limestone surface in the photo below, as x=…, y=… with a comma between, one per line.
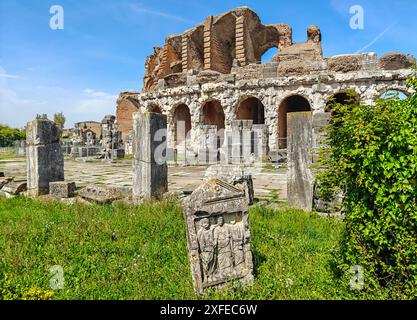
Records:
x=218, y=235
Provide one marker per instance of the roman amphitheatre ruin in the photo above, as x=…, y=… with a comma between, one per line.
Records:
x=211, y=75
x=210, y=83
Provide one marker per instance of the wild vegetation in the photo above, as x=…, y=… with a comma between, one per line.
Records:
x=372, y=158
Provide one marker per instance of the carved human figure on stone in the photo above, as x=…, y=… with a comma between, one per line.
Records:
x=237, y=236
x=223, y=246
x=206, y=246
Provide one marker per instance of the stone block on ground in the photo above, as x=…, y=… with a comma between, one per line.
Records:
x=218, y=235
x=101, y=195
x=62, y=189
x=15, y=187
x=4, y=181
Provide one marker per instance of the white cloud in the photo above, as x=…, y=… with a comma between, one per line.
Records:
x=9, y=76
x=138, y=9
x=20, y=102
x=96, y=102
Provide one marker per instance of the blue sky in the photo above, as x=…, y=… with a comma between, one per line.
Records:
x=101, y=51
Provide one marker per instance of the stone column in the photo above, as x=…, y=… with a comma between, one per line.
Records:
x=247, y=141
x=237, y=141
x=45, y=160
x=207, y=153
x=260, y=141
x=299, y=173
x=150, y=170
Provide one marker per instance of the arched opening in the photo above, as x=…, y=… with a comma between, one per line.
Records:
x=155, y=109
x=213, y=114
x=344, y=97
x=393, y=94
x=268, y=55
x=182, y=123
x=251, y=109
x=293, y=103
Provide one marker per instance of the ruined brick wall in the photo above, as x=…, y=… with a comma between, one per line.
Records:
x=219, y=60
x=126, y=106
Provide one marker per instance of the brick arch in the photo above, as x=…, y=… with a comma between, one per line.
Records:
x=292, y=103
x=212, y=114
x=181, y=121
x=251, y=108
x=154, y=108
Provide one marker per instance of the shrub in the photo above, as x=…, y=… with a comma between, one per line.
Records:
x=372, y=155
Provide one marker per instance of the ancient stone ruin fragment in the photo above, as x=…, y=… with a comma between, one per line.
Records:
x=218, y=235
x=45, y=160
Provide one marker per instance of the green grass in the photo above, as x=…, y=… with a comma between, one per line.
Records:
x=7, y=156
x=141, y=253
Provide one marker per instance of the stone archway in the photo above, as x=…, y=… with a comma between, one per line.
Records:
x=251, y=109
x=182, y=123
x=294, y=103
x=388, y=93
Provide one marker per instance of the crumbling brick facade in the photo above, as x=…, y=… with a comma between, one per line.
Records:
x=213, y=72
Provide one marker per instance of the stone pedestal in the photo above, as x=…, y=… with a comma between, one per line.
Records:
x=299, y=174
x=150, y=170
x=45, y=160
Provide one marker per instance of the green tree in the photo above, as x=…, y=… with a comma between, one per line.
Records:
x=59, y=119
x=9, y=135
x=371, y=155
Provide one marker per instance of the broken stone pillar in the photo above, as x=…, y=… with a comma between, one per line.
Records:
x=218, y=235
x=45, y=160
x=247, y=141
x=299, y=174
x=260, y=142
x=242, y=141
x=150, y=169
x=237, y=141
x=207, y=153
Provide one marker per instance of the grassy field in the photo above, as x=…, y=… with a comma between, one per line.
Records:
x=7, y=156
x=141, y=253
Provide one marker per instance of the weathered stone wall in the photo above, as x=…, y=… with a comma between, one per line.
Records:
x=219, y=60
x=316, y=88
